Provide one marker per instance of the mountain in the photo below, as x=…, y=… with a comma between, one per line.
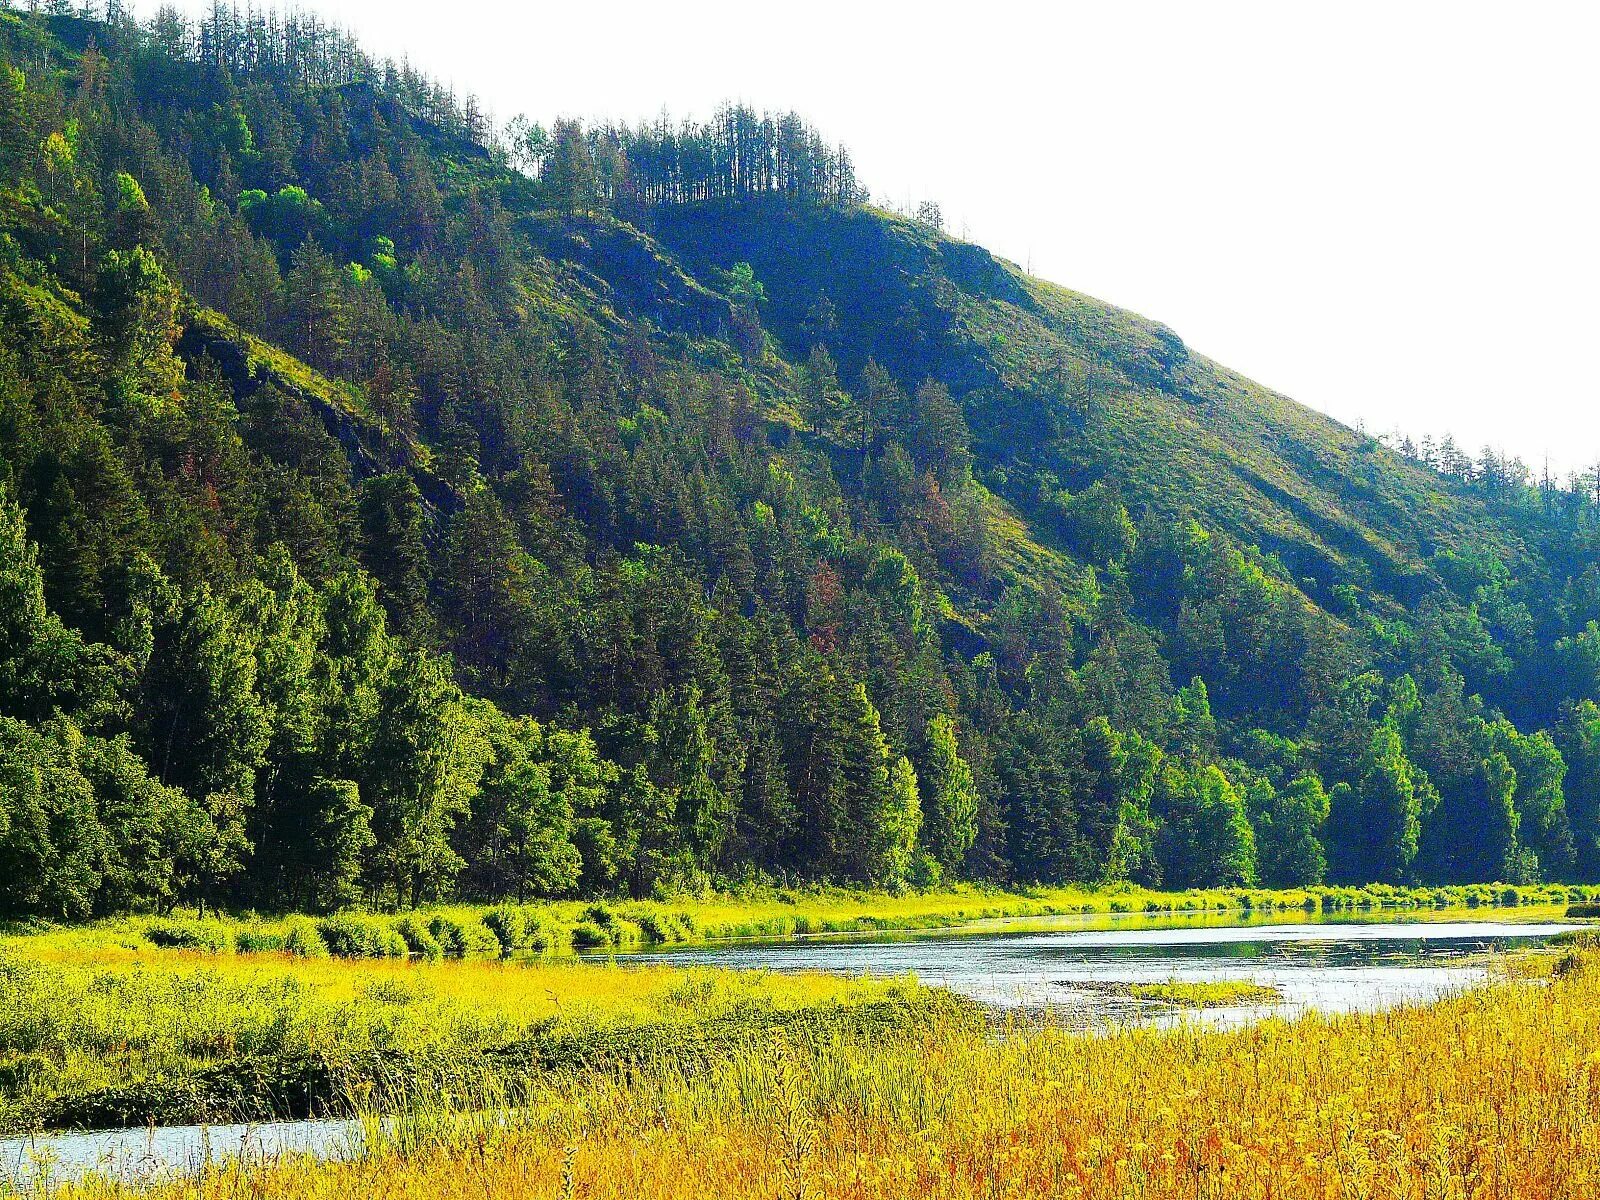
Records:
x=392, y=507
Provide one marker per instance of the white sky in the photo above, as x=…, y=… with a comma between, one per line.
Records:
x=1386, y=210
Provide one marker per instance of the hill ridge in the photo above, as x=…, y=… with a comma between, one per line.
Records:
x=393, y=509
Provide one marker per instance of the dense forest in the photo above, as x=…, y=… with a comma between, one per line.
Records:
x=393, y=506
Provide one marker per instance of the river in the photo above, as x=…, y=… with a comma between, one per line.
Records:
x=1337, y=965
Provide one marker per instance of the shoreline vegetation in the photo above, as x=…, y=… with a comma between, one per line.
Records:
x=1180, y=993
x=1494, y=1088
x=177, y=1020
x=562, y=927
x=112, y=1037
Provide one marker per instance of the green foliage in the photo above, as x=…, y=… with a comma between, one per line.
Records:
x=388, y=519
x=1376, y=827
x=1095, y=523
x=348, y=935
x=303, y=939
x=742, y=286
x=288, y=217
x=950, y=797
x=419, y=938
x=508, y=925
x=257, y=939
x=130, y=196
x=463, y=937
x=213, y=937
x=1288, y=827
x=1205, y=835
x=44, y=666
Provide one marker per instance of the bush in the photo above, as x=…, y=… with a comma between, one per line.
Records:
x=419, y=939
x=211, y=936
x=1586, y=910
x=539, y=937
x=509, y=926
x=927, y=872
x=350, y=936
x=586, y=935
x=302, y=939
x=463, y=939
x=619, y=930
x=659, y=926
x=257, y=939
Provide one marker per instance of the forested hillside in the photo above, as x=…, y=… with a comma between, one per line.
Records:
x=393, y=507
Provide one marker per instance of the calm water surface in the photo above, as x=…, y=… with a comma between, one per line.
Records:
x=35, y=1163
x=1337, y=965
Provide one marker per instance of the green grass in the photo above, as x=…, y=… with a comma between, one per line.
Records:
x=565, y=927
x=106, y=1035
x=1223, y=993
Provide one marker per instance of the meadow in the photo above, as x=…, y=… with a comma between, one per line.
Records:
x=109, y=1035
x=1494, y=1093
x=416, y=1016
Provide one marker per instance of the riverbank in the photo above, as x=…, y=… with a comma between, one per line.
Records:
x=565, y=927
x=1493, y=1092
x=102, y=1035
x=113, y=1037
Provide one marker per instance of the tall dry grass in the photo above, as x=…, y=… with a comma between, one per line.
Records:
x=1494, y=1094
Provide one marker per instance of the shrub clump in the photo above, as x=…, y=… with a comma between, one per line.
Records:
x=463, y=939
x=586, y=935
x=213, y=937
x=664, y=926
x=419, y=939
x=619, y=930
x=509, y=924
x=301, y=939
x=259, y=939
x=351, y=936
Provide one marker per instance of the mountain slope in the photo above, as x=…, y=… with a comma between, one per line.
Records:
x=1171, y=428
x=420, y=512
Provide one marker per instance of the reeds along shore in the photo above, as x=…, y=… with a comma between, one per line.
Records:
x=111, y=1036
x=560, y=927
x=1492, y=1094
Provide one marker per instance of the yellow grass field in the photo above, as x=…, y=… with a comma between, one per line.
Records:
x=100, y=1034
x=1493, y=1094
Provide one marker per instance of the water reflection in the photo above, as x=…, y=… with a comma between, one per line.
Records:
x=1328, y=967
x=39, y=1163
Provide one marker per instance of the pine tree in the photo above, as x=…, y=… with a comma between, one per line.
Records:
x=43, y=664
x=394, y=549
x=53, y=849
x=898, y=826
x=317, y=310
x=864, y=771
x=940, y=439
x=950, y=798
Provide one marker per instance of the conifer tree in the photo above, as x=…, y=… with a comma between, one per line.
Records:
x=950, y=798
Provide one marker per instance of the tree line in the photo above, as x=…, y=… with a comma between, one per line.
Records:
x=487, y=592
x=737, y=155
